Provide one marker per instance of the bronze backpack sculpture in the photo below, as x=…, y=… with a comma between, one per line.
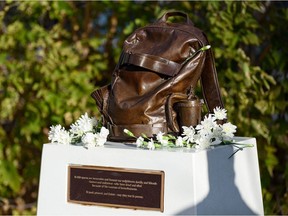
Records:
x=152, y=87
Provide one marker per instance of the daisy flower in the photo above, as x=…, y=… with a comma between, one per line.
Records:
x=220, y=114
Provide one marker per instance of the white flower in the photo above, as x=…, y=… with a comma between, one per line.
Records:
x=188, y=133
x=139, y=141
x=151, y=145
x=58, y=134
x=104, y=132
x=206, y=126
x=228, y=130
x=101, y=137
x=83, y=125
x=219, y=113
x=100, y=141
x=53, y=133
x=159, y=136
x=161, y=139
x=89, y=140
x=217, y=133
x=84, y=130
x=203, y=142
x=179, y=141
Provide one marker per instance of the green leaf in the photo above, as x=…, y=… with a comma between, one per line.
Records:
x=271, y=160
x=9, y=175
x=262, y=106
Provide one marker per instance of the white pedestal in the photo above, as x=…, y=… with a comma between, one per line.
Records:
x=203, y=182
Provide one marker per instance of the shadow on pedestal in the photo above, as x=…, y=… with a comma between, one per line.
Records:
x=224, y=197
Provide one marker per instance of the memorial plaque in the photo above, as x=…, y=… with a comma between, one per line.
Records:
x=116, y=187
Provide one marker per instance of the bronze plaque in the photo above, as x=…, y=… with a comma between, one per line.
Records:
x=116, y=187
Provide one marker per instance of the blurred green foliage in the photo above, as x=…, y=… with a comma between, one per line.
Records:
x=53, y=54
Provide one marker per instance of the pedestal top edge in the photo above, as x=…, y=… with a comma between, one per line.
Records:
x=131, y=146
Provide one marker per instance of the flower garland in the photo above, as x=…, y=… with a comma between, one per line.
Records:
x=86, y=131
x=90, y=133
x=205, y=135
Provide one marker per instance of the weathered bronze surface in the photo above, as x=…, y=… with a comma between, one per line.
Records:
x=160, y=65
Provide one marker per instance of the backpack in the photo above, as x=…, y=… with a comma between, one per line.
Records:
x=152, y=86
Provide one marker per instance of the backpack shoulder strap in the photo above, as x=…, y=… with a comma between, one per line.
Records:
x=209, y=83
